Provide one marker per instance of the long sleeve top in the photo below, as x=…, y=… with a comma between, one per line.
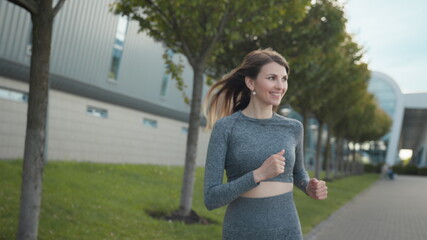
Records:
x=240, y=144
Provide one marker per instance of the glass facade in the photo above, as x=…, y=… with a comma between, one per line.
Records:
x=30, y=41
x=149, y=122
x=165, y=78
x=97, y=112
x=386, y=97
x=384, y=93
x=184, y=130
x=118, y=47
x=13, y=95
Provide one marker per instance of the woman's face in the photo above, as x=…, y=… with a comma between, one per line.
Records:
x=271, y=84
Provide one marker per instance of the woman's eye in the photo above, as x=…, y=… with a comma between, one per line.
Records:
x=284, y=79
x=271, y=78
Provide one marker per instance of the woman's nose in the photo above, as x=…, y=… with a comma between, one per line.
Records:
x=280, y=85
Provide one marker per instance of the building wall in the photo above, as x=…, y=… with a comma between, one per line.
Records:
x=83, y=37
x=13, y=119
x=84, y=34
x=423, y=148
x=75, y=135
x=416, y=104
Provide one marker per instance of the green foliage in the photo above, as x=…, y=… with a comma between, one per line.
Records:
x=109, y=201
x=409, y=169
x=328, y=79
x=365, y=121
x=372, y=168
x=175, y=70
x=422, y=171
x=193, y=27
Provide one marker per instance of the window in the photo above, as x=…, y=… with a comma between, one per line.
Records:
x=118, y=47
x=30, y=42
x=13, y=95
x=165, y=79
x=184, y=130
x=150, y=123
x=97, y=112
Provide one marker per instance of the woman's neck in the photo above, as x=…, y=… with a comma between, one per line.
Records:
x=257, y=111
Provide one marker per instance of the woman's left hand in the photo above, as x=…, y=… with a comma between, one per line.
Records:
x=317, y=189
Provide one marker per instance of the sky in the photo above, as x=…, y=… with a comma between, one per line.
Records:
x=394, y=36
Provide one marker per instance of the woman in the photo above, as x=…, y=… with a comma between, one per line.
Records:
x=260, y=150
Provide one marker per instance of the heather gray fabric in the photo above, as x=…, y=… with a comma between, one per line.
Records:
x=240, y=144
x=270, y=218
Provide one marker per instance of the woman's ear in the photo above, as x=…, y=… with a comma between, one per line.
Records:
x=250, y=83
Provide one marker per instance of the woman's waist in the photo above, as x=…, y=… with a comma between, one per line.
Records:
x=286, y=177
x=269, y=189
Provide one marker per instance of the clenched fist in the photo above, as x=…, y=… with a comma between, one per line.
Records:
x=271, y=167
x=317, y=189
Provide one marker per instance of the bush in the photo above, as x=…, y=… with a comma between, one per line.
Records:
x=372, y=168
x=406, y=170
x=422, y=171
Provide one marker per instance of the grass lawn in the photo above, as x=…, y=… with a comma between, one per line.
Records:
x=109, y=201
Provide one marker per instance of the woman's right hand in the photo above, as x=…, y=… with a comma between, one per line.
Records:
x=272, y=166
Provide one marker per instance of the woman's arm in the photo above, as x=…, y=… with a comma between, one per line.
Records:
x=301, y=177
x=217, y=194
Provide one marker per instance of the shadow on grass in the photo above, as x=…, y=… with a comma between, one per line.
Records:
x=193, y=218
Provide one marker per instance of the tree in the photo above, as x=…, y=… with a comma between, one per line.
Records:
x=193, y=28
x=306, y=43
x=42, y=16
x=315, y=74
x=343, y=95
x=364, y=121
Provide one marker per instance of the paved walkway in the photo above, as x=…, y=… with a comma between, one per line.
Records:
x=389, y=210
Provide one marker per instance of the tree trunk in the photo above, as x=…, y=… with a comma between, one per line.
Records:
x=353, y=165
x=347, y=159
x=318, y=150
x=342, y=157
x=326, y=155
x=32, y=175
x=192, y=140
x=306, y=130
x=338, y=158
x=350, y=161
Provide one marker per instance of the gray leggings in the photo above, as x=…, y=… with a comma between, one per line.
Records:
x=271, y=218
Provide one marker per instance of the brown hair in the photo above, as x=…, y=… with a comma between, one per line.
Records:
x=231, y=94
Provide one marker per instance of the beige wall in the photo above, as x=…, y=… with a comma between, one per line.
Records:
x=13, y=119
x=75, y=135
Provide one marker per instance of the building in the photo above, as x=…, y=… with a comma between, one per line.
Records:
x=110, y=99
x=409, y=115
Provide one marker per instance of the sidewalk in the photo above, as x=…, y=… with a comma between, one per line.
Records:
x=389, y=210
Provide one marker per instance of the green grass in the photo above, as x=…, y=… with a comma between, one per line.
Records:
x=109, y=201
x=312, y=212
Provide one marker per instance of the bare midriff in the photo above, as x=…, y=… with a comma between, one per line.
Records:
x=268, y=189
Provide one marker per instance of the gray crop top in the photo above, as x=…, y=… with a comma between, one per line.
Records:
x=240, y=144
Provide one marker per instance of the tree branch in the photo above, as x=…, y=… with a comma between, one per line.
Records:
x=218, y=34
x=28, y=5
x=160, y=11
x=58, y=7
x=186, y=49
x=170, y=18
